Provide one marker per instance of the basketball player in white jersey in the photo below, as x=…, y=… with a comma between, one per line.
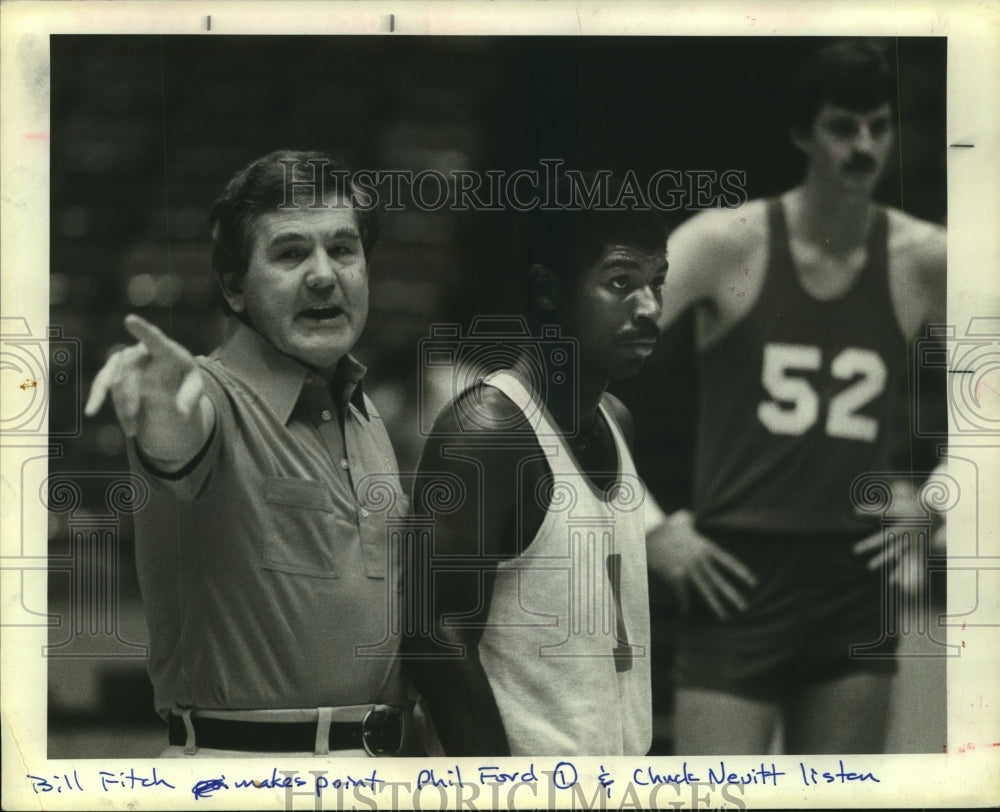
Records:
x=535, y=603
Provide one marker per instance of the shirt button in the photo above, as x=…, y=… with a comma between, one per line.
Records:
x=364, y=513
x=345, y=464
x=326, y=415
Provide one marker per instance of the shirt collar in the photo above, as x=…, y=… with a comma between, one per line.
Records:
x=277, y=379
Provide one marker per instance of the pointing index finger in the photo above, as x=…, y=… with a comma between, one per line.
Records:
x=150, y=335
x=99, y=388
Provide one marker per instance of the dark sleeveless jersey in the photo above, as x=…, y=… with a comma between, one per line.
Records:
x=799, y=398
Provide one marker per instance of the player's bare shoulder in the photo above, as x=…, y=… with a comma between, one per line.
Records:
x=481, y=412
x=918, y=254
x=719, y=258
x=480, y=433
x=724, y=236
x=920, y=242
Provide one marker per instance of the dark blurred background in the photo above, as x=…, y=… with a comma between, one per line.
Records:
x=145, y=131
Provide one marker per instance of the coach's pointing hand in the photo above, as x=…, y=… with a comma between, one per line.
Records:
x=157, y=391
x=687, y=560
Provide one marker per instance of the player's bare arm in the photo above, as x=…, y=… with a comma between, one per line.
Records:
x=679, y=554
x=917, y=272
x=158, y=395
x=483, y=529
x=917, y=268
x=716, y=262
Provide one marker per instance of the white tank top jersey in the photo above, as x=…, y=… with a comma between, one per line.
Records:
x=566, y=646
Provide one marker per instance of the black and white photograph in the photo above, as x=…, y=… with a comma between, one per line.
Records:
x=543, y=405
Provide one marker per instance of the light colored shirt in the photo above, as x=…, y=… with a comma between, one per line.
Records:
x=566, y=643
x=263, y=566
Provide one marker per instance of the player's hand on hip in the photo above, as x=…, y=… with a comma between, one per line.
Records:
x=693, y=564
x=897, y=551
x=901, y=557
x=939, y=524
x=939, y=538
x=154, y=386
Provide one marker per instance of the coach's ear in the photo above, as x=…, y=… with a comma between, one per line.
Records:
x=544, y=289
x=232, y=289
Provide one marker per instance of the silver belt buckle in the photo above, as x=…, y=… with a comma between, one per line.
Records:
x=373, y=740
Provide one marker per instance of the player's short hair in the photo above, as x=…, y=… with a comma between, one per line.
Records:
x=268, y=183
x=569, y=240
x=851, y=73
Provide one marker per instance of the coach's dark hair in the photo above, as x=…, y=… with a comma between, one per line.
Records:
x=569, y=239
x=851, y=73
x=268, y=183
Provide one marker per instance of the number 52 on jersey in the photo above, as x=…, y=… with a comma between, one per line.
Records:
x=795, y=407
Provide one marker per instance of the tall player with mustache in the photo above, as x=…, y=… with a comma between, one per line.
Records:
x=806, y=308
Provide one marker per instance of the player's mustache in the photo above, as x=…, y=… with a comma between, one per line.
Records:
x=860, y=163
x=643, y=332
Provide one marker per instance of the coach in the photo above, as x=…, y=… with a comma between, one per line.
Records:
x=263, y=574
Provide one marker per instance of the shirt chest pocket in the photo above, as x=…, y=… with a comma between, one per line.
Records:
x=302, y=528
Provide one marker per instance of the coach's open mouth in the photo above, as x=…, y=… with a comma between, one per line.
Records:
x=322, y=313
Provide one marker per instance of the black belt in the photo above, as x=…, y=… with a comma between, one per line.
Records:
x=380, y=734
